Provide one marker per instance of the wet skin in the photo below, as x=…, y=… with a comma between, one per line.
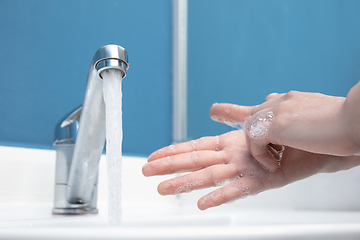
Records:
x=226, y=160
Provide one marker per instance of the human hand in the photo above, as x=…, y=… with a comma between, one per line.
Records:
x=308, y=121
x=226, y=160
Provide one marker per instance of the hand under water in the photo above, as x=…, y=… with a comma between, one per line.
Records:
x=226, y=160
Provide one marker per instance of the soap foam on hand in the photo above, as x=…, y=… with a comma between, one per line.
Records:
x=112, y=80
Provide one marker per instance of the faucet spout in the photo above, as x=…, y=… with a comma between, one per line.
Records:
x=91, y=133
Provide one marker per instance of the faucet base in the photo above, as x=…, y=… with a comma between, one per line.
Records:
x=64, y=153
x=74, y=211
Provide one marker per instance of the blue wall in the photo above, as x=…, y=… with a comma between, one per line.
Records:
x=45, y=53
x=241, y=51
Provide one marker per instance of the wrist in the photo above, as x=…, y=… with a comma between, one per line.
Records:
x=337, y=163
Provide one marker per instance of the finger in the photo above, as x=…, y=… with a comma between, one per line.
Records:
x=184, y=162
x=241, y=188
x=205, y=143
x=270, y=101
x=263, y=155
x=208, y=177
x=230, y=114
x=257, y=126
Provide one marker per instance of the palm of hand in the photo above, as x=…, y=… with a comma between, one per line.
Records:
x=226, y=161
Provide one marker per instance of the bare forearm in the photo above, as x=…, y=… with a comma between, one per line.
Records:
x=352, y=117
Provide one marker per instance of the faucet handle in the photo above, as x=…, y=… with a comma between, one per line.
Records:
x=66, y=130
x=73, y=117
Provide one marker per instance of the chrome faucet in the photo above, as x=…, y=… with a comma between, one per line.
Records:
x=83, y=138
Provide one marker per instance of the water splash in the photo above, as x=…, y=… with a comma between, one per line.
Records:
x=113, y=108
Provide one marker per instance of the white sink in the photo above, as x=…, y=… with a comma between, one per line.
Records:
x=316, y=208
x=36, y=222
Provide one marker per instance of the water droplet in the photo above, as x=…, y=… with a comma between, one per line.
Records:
x=195, y=158
x=217, y=142
x=193, y=145
x=172, y=148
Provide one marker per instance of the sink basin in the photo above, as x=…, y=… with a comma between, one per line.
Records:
x=37, y=222
x=315, y=208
